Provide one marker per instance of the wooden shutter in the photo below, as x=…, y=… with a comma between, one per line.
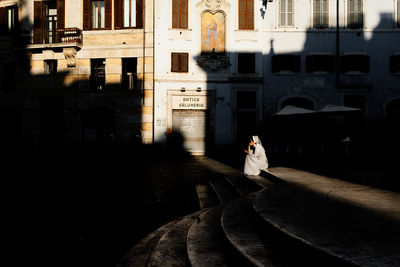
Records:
x=242, y=14
x=3, y=20
x=309, y=64
x=274, y=64
x=364, y=63
x=87, y=15
x=296, y=63
x=60, y=14
x=139, y=13
x=108, y=14
x=38, y=22
x=175, y=13
x=175, y=62
x=184, y=14
x=184, y=60
x=250, y=14
x=117, y=14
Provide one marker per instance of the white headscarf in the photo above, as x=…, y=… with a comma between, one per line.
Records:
x=256, y=140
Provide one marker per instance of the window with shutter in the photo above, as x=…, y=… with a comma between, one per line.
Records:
x=128, y=14
x=354, y=63
x=180, y=14
x=395, y=64
x=398, y=13
x=286, y=13
x=321, y=14
x=320, y=63
x=246, y=14
x=60, y=14
x=285, y=63
x=355, y=14
x=38, y=22
x=179, y=62
x=9, y=19
x=246, y=63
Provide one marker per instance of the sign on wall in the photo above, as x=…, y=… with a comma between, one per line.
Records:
x=189, y=102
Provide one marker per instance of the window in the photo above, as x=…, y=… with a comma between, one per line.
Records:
x=321, y=14
x=282, y=63
x=50, y=67
x=128, y=14
x=354, y=101
x=8, y=19
x=98, y=74
x=246, y=14
x=395, y=64
x=98, y=14
x=129, y=73
x=286, y=13
x=180, y=14
x=320, y=63
x=246, y=63
x=179, y=62
x=398, y=13
x=355, y=14
x=354, y=63
x=50, y=24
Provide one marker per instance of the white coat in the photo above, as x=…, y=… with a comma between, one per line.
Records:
x=256, y=160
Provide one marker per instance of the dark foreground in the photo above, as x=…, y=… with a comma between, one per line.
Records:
x=89, y=213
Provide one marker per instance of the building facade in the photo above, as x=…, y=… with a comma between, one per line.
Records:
x=245, y=60
x=77, y=72
x=211, y=72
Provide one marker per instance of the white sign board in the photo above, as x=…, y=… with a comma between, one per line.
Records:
x=189, y=102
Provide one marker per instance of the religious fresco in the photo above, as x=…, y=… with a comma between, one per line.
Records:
x=213, y=32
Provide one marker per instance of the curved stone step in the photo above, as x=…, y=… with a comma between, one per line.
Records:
x=207, y=244
x=243, y=185
x=171, y=248
x=243, y=228
x=139, y=255
x=224, y=190
x=277, y=206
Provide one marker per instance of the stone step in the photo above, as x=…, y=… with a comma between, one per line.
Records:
x=243, y=185
x=224, y=190
x=206, y=196
x=139, y=255
x=171, y=247
x=251, y=237
x=207, y=244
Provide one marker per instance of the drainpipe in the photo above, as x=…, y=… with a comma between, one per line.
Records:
x=144, y=49
x=337, y=43
x=154, y=67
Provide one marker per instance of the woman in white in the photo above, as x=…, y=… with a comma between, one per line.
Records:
x=256, y=159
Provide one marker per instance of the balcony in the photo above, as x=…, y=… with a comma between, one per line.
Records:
x=57, y=39
x=68, y=41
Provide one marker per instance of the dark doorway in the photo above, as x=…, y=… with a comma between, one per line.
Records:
x=246, y=115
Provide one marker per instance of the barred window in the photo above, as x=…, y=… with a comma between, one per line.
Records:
x=286, y=13
x=321, y=14
x=246, y=14
x=355, y=16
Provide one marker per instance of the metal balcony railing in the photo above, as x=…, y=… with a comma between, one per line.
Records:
x=69, y=35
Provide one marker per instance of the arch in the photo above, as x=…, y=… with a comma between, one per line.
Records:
x=392, y=108
x=298, y=100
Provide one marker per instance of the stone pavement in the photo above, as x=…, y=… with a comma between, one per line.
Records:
x=353, y=222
